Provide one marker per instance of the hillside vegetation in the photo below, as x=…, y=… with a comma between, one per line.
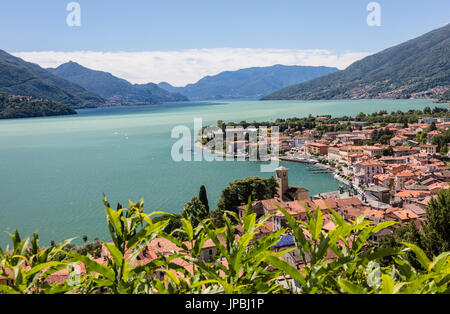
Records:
x=114, y=89
x=27, y=107
x=21, y=78
x=244, y=266
x=418, y=68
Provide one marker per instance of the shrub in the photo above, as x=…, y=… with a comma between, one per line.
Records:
x=240, y=266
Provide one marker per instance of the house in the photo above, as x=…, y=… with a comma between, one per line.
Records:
x=301, y=140
x=382, y=194
x=376, y=216
x=401, y=151
x=428, y=149
x=346, y=151
x=398, y=140
x=317, y=148
x=401, y=215
x=331, y=136
x=373, y=151
x=415, y=208
x=351, y=213
x=287, y=242
x=435, y=188
x=366, y=171
x=407, y=195
x=385, y=180
x=401, y=179
x=7, y=280
x=333, y=154
x=433, y=120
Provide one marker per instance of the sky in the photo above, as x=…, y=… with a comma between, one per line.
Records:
x=180, y=41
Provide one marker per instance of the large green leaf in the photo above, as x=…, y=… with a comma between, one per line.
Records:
x=350, y=287
x=387, y=284
x=287, y=269
x=92, y=266
x=421, y=256
x=317, y=224
x=115, y=253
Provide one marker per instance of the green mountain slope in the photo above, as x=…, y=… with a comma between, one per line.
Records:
x=445, y=97
x=114, y=89
x=251, y=83
x=27, y=107
x=417, y=68
x=18, y=77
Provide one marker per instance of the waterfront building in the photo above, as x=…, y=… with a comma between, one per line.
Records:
x=317, y=148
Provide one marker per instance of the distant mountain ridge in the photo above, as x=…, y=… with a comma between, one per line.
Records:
x=418, y=68
x=112, y=88
x=250, y=83
x=18, y=77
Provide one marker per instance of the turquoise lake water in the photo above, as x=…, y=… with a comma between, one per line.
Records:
x=53, y=171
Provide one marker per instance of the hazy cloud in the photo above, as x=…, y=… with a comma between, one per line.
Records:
x=188, y=66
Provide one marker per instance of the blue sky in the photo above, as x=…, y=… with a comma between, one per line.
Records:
x=338, y=27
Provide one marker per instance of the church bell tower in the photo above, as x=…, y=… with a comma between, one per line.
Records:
x=282, y=176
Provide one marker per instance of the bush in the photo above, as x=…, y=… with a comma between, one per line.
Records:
x=241, y=266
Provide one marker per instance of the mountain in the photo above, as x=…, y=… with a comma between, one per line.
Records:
x=114, y=89
x=251, y=83
x=415, y=69
x=18, y=77
x=445, y=97
x=12, y=107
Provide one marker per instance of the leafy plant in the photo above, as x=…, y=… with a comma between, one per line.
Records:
x=343, y=260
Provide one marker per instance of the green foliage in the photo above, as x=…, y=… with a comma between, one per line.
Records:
x=442, y=140
x=27, y=107
x=445, y=97
x=27, y=266
x=88, y=248
x=174, y=223
x=202, y=196
x=195, y=211
x=382, y=136
x=434, y=236
x=355, y=269
x=436, y=239
x=239, y=191
x=388, y=151
x=243, y=265
x=18, y=77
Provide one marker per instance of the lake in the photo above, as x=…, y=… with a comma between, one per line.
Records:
x=54, y=170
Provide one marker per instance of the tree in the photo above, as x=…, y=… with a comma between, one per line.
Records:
x=203, y=197
x=194, y=211
x=388, y=151
x=442, y=140
x=85, y=238
x=174, y=223
x=408, y=233
x=436, y=237
x=239, y=191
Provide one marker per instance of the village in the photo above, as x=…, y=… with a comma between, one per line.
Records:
x=396, y=187
x=385, y=182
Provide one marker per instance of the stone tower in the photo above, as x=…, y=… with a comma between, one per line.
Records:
x=282, y=176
